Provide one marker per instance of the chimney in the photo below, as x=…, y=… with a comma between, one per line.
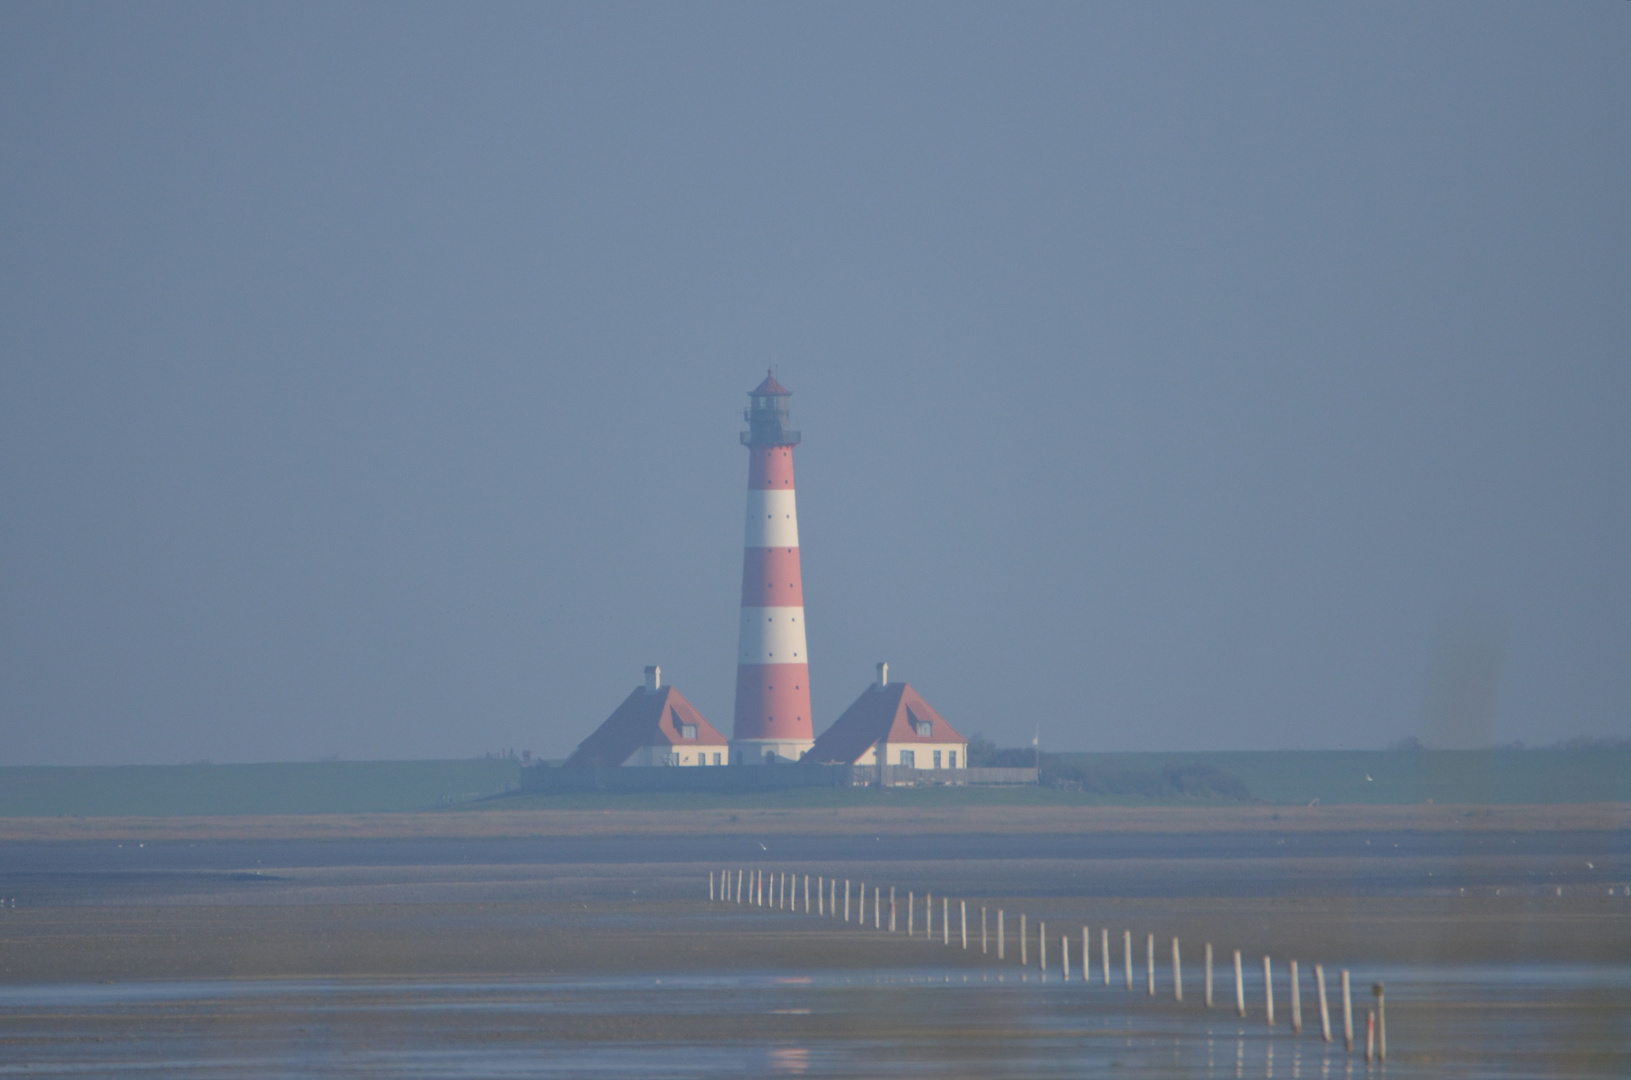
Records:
x=654, y=679
x=883, y=673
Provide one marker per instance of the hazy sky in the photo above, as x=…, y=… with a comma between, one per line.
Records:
x=1171, y=376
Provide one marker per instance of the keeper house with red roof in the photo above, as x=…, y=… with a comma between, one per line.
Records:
x=655, y=725
x=891, y=725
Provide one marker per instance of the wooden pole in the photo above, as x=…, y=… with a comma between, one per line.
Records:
x=911, y=911
x=1268, y=990
x=1240, y=987
x=1024, y=942
x=963, y=905
x=807, y=893
x=1000, y=932
x=1347, y=1014
x=945, y=920
x=739, y=886
x=1370, y=1035
x=1177, y=973
x=1064, y=956
x=983, y=948
x=846, y=899
x=710, y=885
x=928, y=916
x=1127, y=955
x=860, y=906
x=1296, y=1001
x=1087, y=958
x=1149, y=961
x=1104, y=952
x=821, y=894
x=1381, y=1021
x=1325, y=1010
x=877, y=919
x=1042, y=946
x=1208, y=974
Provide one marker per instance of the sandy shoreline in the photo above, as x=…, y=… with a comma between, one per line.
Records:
x=522, y=824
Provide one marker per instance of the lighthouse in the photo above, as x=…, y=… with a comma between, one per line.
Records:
x=773, y=722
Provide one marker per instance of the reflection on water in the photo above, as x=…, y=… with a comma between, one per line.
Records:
x=789, y=1060
x=1484, y=1022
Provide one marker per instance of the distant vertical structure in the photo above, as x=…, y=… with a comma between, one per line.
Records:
x=773, y=722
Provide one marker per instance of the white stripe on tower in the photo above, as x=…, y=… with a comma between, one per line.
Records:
x=773, y=519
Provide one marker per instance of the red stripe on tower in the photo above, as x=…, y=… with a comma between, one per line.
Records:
x=773, y=720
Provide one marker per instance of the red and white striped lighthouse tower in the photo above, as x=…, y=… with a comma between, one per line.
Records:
x=773, y=722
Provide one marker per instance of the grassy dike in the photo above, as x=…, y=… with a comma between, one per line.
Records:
x=1273, y=778
x=295, y=787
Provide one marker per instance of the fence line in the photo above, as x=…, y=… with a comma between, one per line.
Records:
x=781, y=893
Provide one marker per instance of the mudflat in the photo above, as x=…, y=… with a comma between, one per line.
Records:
x=586, y=943
x=470, y=893
x=857, y=820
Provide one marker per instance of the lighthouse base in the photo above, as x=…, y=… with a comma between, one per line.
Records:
x=768, y=751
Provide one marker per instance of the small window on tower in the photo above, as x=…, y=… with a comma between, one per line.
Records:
x=688, y=731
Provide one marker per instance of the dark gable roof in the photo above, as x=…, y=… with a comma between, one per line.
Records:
x=645, y=718
x=890, y=713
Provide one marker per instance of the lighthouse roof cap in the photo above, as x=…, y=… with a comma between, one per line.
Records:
x=770, y=387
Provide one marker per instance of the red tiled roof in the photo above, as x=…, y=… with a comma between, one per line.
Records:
x=888, y=713
x=770, y=386
x=646, y=718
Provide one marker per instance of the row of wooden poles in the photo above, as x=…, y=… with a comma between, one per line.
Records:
x=781, y=892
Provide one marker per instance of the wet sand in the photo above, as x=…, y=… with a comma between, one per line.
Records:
x=360, y=950
x=830, y=821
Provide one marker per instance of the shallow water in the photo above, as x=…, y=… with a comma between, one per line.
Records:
x=1476, y=1021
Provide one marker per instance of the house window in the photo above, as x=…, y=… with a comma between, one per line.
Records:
x=908, y=759
x=924, y=729
x=951, y=759
x=671, y=759
x=937, y=759
x=688, y=731
x=716, y=759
